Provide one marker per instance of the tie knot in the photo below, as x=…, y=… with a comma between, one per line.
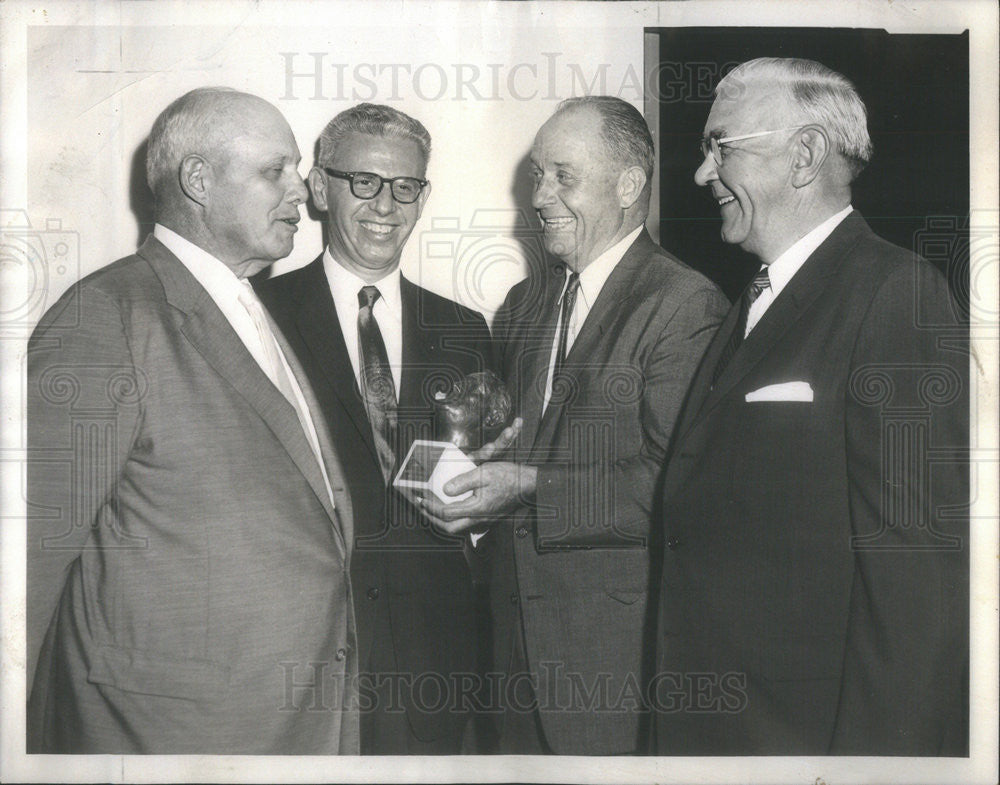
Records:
x=248, y=297
x=367, y=296
x=760, y=282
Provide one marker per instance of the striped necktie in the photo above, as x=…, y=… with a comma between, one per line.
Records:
x=378, y=390
x=759, y=283
x=568, y=301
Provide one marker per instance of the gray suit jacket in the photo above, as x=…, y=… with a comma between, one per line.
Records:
x=188, y=584
x=574, y=567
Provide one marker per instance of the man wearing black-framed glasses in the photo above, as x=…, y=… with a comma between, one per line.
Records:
x=815, y=502
x=373, y=343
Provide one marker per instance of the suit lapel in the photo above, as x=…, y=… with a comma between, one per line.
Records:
x=318, y=325
x=420, y=347
x=210, y=333
x=612, y=300
x=532, y=361
x=701, y=385
x=800, y=293
x=343, y=513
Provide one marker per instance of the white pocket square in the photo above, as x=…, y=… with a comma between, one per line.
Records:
x=786, y=391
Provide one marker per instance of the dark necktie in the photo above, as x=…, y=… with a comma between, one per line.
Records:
x=568, y=301
x=377, y=387
x=759, y=283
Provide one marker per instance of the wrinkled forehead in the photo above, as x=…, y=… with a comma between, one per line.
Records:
x=744, y=106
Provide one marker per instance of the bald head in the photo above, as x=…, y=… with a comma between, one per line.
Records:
x=223, y=166
x=201, y=122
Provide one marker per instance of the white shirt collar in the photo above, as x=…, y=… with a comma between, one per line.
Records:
x=345, y=285
x=596, y=274
x=216, y=278
x=781, y=270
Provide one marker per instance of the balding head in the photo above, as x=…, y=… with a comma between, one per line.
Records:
x=223, y=167
x=199, y=122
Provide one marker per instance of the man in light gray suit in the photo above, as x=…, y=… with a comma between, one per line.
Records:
x=188, y=531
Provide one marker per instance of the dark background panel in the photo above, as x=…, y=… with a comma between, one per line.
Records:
x=915, y=191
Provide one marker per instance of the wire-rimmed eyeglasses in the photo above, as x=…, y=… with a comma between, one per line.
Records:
x=712, y=145
x=368, y=185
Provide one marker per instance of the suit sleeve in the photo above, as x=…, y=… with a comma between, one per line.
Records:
x=608, y=501
x=82, y=395
x=905, y=675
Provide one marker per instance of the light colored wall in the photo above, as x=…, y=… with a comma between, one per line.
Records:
x=482, y=89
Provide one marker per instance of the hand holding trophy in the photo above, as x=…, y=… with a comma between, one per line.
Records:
x=472, y=424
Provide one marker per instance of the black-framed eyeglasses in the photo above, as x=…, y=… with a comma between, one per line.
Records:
x=368, y=185
x=712, y=145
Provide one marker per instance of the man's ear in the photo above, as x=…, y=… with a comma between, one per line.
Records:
x=195, y=178
x=317, y=187
x=630, y=185
x=812, y=146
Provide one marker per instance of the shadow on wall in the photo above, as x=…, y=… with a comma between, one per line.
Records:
x=140, y=197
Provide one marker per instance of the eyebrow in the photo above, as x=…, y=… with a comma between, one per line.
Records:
x=282, y=158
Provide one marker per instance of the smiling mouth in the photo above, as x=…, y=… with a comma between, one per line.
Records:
x=561, y=222
x=721, y=200
x=375, y=228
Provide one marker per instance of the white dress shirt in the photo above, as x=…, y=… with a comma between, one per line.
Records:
x=592, y=280
x=388, y=313
x=781, y=270
x=225, y=289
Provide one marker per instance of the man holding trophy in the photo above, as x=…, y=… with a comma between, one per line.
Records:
x=597, y=353
x=376, y=348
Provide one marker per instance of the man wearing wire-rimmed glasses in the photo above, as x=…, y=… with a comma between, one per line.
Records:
x=815, y=562
x=373, y=343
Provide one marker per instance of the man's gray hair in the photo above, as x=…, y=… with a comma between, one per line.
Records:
x=374, y=120
x=824, y=97
x=189, y=124
x=624, y=132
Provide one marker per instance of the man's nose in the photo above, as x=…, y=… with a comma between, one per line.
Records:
x=297, y=191
x=706, y=172
x=541, y=194
x=383, y=203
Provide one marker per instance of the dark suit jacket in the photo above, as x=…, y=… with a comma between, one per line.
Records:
x=817, y=552
x=185, y=565
x=414, y=606
x=574, y=566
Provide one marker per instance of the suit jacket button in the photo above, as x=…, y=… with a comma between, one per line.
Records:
x=673, y=543
x=521, y=531
x=513, y=598
x=373, y=593
x=341, y=655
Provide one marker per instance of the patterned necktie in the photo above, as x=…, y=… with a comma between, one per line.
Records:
x=568, y=301
x=759, y=283
x=378, y=391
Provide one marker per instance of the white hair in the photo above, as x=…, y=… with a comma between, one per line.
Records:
x=824, y=97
